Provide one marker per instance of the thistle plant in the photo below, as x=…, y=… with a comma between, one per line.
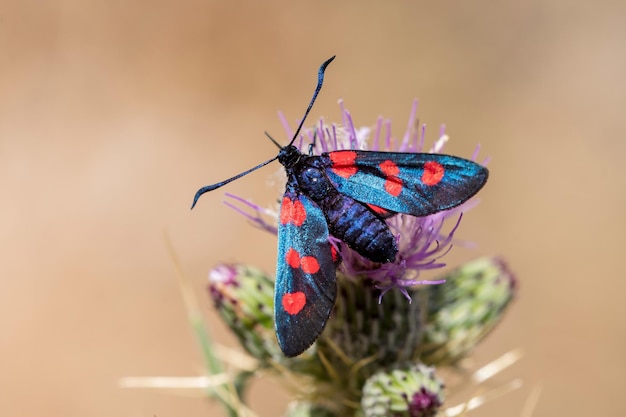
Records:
x=391, y=331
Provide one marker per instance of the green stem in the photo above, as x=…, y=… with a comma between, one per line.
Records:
x=214, y=367
x=212, y=363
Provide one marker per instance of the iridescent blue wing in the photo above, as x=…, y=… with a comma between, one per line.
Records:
x=305, y=278
x=418, y=184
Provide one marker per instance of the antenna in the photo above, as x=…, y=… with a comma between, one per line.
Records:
x=320, y=81
x=273, y=141
x=208, y=188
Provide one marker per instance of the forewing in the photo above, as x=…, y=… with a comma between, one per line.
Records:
x=305, y=279
x=418, y=184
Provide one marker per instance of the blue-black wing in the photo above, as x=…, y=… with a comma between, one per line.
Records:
x=305, y=278
x=418, y=184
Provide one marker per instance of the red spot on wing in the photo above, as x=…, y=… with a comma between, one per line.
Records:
x=293, y=258
x=292, y=212
x=393, y=185
x=334, y=254
x=285, y=210
x=378, y=209
x=294, y=302
x=309, y=264
x=433, y=173
x=298, y=214
x=389, y=168
x=343, y=163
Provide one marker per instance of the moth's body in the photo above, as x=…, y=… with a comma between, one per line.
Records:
x=348, y=220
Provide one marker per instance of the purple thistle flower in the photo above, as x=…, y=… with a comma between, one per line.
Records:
x=422, y=241
x=220, y=278
x=424, y=403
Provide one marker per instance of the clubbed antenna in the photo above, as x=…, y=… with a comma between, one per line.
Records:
x=320, y=81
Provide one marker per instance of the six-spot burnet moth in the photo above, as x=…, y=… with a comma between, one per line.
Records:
x=347, y=194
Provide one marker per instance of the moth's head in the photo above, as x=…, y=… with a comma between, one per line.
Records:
x=289, y=156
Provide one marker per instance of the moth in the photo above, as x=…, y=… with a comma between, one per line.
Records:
x=347, y=194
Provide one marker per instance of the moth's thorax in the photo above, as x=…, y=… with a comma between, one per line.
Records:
x=312, y=179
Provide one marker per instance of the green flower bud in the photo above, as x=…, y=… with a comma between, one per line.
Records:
x=413, y=392
x=465, y=309
x=243, y=296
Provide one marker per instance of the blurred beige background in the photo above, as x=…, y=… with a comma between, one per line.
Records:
x=112, y=114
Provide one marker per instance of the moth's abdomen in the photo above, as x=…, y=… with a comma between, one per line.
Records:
x=348, y=220
x=361, y=229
